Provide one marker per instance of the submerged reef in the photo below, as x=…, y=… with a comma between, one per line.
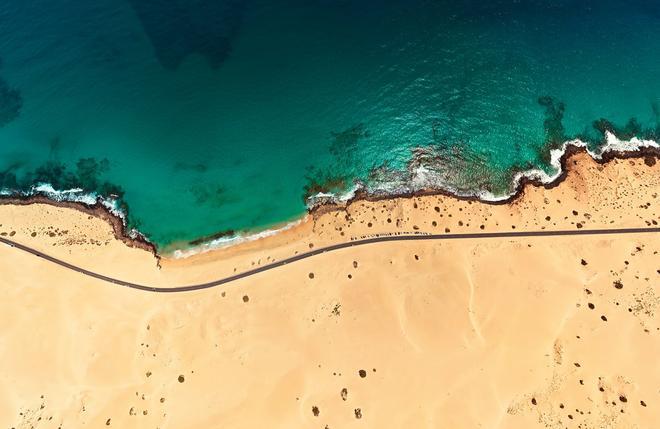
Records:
x=448, y=164
x=74, y=185
x=323, y=181
x=183, y=166
x=597, y=133
x=631, y=129
x=179, y=28
x=555, y=134
x=17, y=183
x=455, y=167
x=11, y=103
x=338, y=175
x=86, y=177
x=345, y=143
x=8, y=179
x=213, y=195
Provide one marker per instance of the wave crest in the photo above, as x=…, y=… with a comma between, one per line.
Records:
x=78, y=195
x=427, y=172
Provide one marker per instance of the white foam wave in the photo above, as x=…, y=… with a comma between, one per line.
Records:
x=418, y=178
x=223, y=242
x=79, y=196
x=75, y=194
x=329, y=197
x=422, y=177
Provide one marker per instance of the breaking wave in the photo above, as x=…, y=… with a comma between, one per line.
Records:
x=232, y=240
x=77, y=195
x=422, y=175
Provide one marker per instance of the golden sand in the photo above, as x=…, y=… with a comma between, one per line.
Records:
x=545, y=332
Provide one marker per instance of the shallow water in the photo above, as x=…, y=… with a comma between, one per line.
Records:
x=212, y=115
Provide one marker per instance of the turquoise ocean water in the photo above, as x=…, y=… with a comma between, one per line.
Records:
x=213, y=115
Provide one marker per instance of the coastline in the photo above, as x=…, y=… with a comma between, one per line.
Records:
x=519, y=326
x=407, y=214
x=614, y=149
x=560, y=158
x=98, y=210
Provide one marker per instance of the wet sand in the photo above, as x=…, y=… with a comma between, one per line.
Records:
x=513, y=333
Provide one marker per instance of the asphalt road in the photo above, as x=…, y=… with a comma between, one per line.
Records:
x=332, y=248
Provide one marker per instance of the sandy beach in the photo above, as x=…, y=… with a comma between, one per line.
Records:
x=541, y=332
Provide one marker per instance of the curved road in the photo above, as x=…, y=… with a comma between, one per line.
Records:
x=360, y=242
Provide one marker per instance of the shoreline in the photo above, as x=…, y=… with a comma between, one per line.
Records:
x=98, y=210
x=514, y=306
x=650, y=155
x=522, y=180
x=323, y=250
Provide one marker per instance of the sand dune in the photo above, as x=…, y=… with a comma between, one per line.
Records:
x=492, y=333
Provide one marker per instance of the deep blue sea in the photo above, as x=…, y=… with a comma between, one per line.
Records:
x=212, y=115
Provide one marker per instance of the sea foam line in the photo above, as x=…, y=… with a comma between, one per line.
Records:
x=613, y=144
x=223, y=242
x=112, y=205
x=78, y=195
x=422, y=178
